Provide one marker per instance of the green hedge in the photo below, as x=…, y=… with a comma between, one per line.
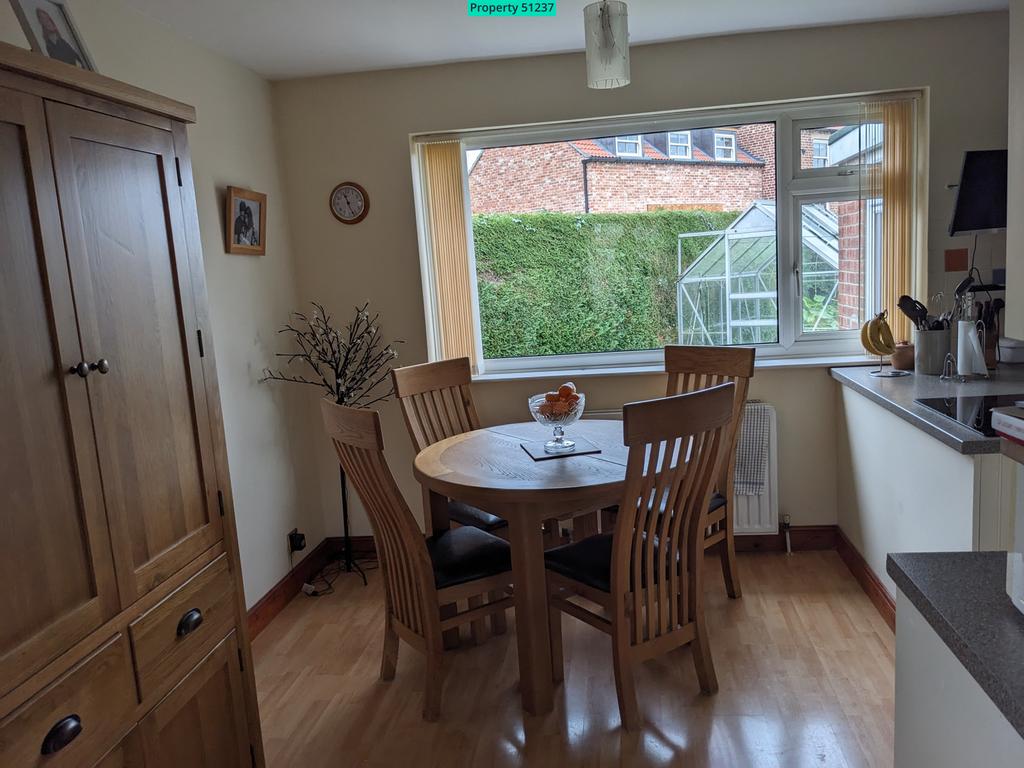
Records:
x=561, y=283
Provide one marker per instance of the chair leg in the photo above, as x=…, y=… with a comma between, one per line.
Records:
x=450, y=637
x=584, y=526
x=730, y=569
x=433, y=687
x=552, y=534
x=608, y=519
x=389, y=658
x=625, y=686
x=499, y=622
x=478, y=627
x=702, y=660
x=555, y=633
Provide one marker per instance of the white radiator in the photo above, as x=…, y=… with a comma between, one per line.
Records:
x=752, y=514
x=760, y=514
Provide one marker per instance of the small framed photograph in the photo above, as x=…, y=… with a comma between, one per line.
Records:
x=51, y=32
x=245, y=224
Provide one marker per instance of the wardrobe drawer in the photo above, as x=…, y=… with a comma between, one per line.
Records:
x=78, y=718
x=183, y=627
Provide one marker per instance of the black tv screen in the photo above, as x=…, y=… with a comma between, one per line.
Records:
x=981, y=197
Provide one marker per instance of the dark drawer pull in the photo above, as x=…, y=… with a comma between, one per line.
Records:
x=190, y=622
x=62, y=734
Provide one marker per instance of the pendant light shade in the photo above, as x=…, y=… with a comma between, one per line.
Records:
x=607, y=29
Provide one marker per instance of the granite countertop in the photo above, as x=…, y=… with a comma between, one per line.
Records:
x=898, y=395
x=963, y=597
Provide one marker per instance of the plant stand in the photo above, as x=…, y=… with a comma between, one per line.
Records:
x=348, y=562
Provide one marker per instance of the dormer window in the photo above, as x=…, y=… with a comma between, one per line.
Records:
x=725, y=147
x=628, y=146
x=679, y=146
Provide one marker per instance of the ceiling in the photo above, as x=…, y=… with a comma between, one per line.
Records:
x=295, y=38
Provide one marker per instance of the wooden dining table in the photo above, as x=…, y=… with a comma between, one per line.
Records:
x=489, y=469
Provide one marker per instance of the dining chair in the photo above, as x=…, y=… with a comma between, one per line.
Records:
x=420, y=575
x=437, y=402
x=646, y=575
x=695, y=368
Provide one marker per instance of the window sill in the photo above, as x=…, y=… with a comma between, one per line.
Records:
x=768, y=363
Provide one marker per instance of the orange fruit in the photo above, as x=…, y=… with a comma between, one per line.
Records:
x=566, y=390
x=551, y=397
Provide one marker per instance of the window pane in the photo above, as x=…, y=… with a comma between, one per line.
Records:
x=833, y=146
x=836, y=272
x=579, y=253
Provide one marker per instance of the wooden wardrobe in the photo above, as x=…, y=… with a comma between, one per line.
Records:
x=123, y=639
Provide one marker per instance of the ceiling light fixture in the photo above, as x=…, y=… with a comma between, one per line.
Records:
x=606, y=27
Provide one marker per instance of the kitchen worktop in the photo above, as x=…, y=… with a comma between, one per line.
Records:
x=897, y=395
x=962, y=596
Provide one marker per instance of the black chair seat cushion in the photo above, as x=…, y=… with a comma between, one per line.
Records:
x=464, y=514
x=590, y=561
x=466, y=554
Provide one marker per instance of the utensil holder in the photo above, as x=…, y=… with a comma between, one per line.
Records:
x=930, y=350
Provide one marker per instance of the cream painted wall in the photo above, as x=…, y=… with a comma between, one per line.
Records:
x=234, y=143
x=357, y=127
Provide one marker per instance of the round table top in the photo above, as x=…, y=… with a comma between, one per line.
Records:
x=489, y=467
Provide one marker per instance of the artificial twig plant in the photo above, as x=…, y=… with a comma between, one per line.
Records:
x=353, y=366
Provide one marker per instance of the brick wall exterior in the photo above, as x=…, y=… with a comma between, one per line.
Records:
x=616, y=187
x=527, y=179
x=850, y=292
x=759, y=140
x=549, y=177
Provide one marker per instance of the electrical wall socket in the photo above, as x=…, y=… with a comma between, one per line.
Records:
x=296, y=540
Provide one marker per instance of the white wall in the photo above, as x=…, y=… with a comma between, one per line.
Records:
x=943, y=717
x=357, y=127
x=234, y=142
x=899, y=490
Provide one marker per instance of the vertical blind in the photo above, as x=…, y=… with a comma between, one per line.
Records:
x=891, y=178
x=445, y=208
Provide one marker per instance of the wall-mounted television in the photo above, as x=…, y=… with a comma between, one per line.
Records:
x=981, y=197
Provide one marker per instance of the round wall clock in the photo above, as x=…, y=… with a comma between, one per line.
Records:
x=349, y=202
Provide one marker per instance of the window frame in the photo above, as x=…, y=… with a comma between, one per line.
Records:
x=688, y=144
x=731, y=158
x=792, y=184
x=628, y=139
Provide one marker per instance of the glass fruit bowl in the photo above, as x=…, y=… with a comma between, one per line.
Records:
x=558, y=410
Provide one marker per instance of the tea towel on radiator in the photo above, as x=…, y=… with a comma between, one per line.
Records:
x=752, y=449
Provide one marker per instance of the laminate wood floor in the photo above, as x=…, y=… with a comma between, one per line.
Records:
x=804, y=662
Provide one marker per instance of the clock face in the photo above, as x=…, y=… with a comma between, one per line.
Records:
x=349, y=203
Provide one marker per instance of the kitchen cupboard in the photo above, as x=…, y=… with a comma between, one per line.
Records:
x=123, y=640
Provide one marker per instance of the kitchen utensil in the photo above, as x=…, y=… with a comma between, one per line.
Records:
x=930, y=349
x=915, y=310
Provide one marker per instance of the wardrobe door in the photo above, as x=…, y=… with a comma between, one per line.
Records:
x=55, y=563
x=124, y=230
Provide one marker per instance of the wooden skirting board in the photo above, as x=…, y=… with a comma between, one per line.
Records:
x=328, y=550
x=867, y=578
x=802, y=538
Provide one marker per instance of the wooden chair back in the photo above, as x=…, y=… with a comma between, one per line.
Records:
x=691, y=369
x=436, y=400
x=401, y=550
x=676, y=447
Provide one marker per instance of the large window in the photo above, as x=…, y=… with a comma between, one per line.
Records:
x=577, y=260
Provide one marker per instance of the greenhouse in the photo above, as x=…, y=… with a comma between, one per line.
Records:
x=729, y=294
